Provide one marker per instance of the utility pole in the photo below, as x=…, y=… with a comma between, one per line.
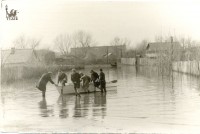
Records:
x=172, y=48
x=121, y=52
x=172, y=53
x=107, y=54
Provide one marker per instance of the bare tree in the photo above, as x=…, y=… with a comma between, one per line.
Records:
x=25, y=42
x=115, y=42
x=119, y=41
x=159, y=38
x=33, y=43
x=20, y=42
x=141, y=47
x=84, y=40
x=64, y=43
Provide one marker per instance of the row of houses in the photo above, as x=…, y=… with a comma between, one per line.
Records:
x=180, y=53
x=18, y=57
x=101, y=54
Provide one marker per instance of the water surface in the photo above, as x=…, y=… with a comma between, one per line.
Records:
x=144, y=101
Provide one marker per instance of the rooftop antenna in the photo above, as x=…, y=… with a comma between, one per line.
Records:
x=161, y=34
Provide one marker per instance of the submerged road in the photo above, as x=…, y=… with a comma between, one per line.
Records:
x=144, y=101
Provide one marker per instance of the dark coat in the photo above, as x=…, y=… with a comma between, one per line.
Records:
x=102, y=77
x=61, y=77
x=41, y=85
x=94, y=76
x=86, y=81
x=75, y=78
x=102, y=80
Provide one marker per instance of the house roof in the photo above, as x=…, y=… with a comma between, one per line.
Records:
x=160, y=46
x=19, y=56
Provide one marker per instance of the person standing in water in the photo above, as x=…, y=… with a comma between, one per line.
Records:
x=102, y=81
x=75, y=78
x=86, y=82
x=95, y=79
x=62, y=78
x=41, y=85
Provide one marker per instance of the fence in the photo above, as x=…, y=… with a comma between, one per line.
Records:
x=140, y=61
x=128, y=61
x=188, y=67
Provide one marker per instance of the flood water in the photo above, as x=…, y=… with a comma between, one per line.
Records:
x=144, y=101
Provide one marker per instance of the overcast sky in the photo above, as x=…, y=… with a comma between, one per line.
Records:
x=104, y=20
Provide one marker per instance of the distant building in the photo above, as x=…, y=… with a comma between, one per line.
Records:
x=18, y=57
x=99, y=52
x=45, y=56
x=66, y=59
x=153, y=50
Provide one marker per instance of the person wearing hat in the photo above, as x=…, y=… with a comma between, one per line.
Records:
x=41, y=85
x=86, y=82
x=95, y=79
x=102, y=81
x=75, y=78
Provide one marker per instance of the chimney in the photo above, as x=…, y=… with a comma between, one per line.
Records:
x=12, y=50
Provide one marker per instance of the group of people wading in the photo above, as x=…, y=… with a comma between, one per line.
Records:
x=97, y=79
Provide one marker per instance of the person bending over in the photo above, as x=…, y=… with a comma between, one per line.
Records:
x=41, y=85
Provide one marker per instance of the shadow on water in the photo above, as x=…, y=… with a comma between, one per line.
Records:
x=45, y=110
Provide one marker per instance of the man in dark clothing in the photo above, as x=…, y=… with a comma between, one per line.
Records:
x=41, y=85
x=95, y=79
x=62, y=78
x=75, y=78
x=102, y=81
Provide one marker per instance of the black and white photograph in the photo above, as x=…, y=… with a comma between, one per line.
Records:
x=100, y=66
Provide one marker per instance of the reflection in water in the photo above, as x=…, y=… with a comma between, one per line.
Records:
x=99, y=107
x=86, y=104
x=137, y=69
x=45, y=110
x=144, y=99
x=62, y=103
x=77, y=107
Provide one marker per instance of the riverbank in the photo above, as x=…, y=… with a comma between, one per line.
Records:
x=10, y=74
